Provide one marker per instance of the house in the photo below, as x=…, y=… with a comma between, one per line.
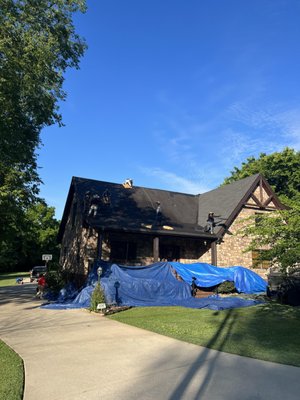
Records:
x=135, y=225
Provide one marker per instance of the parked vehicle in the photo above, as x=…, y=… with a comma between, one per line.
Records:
x=36, y=272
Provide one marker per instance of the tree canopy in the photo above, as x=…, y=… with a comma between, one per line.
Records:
x=279, y=233
x=38, y=43
x=30, y=235
x=281, y=169
x=279, y=236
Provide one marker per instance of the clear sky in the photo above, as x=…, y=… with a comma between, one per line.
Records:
x=175, y=93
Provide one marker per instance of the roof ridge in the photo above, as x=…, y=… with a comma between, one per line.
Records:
x=254, y=177
x=76, y=178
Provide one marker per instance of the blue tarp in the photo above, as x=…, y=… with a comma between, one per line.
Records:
x=153, y=285
x=82, y=300
x=145, y=286
x=207, y=275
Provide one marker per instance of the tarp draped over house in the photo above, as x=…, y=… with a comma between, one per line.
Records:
x=145, y=286
x=153, y=285
x=245, y=280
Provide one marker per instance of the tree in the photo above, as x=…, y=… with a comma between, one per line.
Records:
x=32, y=234
x=38, y=43
x=279, y=233
x=281, y=169
x=98, y=296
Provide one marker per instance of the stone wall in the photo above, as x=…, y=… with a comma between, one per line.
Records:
x=231, y=251
x=75, y=242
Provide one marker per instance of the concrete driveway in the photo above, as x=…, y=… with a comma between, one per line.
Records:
x=73, y=354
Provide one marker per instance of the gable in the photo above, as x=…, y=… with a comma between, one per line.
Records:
x=224, y=201
x=227, y=201
x=260, y=196
x=263, y=197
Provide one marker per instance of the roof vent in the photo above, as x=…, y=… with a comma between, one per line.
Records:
x=128, y=184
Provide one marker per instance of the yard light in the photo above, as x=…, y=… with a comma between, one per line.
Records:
x=99, y=272
x=117, y=285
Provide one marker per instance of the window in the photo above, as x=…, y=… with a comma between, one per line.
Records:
x=123, y=251
x=260, y=259
x=258, y=218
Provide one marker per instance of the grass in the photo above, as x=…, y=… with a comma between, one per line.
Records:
x=268, y=331
x=11, y=374
x=9, y=279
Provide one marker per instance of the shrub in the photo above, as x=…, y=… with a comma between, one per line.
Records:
x=55, y=281
x=226, y=287
x=289, y=291
x=54, y=266
x=97, y=297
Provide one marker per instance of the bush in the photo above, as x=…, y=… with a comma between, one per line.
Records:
x=60, y=278
x=289, y=291
x=53, y=266
x=97, y=297
x=226, y=288
x=55, y=281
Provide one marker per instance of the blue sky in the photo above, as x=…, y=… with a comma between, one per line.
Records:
x=175, y=93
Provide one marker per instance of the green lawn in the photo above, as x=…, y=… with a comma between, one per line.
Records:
x=9, y=279
x=11, y=374
x=268, y=331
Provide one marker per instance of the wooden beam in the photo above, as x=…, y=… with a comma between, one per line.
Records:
x=156, y=249
x=214, y=258
x=250, y=205
x=258, y=202
x=269, y=199
x=261, y=189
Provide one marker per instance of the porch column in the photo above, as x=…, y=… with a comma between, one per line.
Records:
x=213, y=248
x=156, y=249
x=99, y=245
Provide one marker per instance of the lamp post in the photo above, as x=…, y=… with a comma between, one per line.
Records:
x=117, y=285
x=99, y=272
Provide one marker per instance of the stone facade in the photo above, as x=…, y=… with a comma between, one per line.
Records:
x=231, y=251
x=78, y=246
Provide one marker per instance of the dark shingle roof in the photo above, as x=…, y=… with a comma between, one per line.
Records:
x=224, y=200
x=134, y=209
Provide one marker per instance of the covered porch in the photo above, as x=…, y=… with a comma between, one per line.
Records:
x=140, y=249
